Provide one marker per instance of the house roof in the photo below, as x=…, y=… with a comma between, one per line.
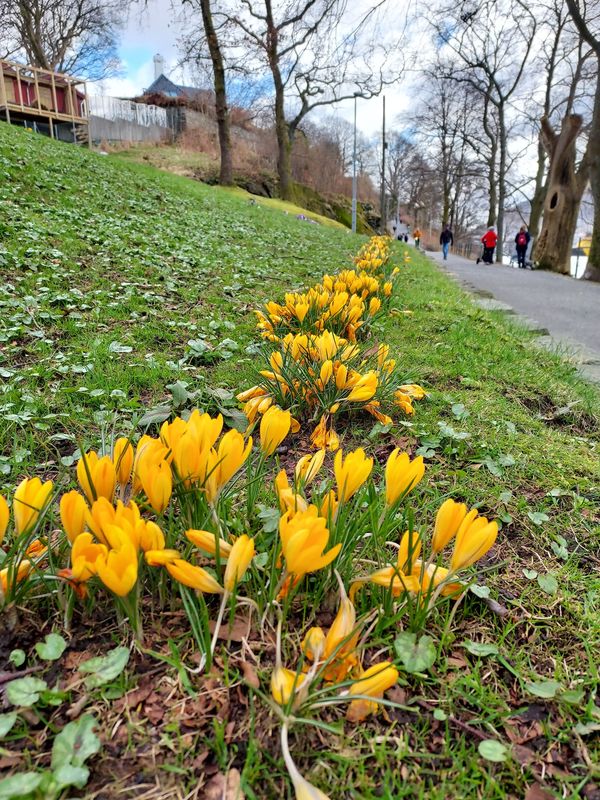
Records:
x=164, y=85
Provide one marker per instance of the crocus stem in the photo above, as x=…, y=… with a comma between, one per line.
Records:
x=285, y=750
x=219, y=622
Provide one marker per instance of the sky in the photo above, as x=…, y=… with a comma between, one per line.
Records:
x=151, y=29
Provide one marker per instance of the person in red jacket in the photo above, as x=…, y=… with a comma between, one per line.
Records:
x=489, y=241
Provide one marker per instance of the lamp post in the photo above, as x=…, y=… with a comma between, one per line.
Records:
x=354, y=177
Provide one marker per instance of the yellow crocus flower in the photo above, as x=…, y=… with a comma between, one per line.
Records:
x=29, y=500
x=4, y=516
x=84, y=554
x=118, y=568
x=73, y=513
x=274, y=427
x=351, y=472
x=192, y=576
x=309, y=466
x=23, y=571
x=157, y=483
x=401, y=475
x=284, y=683
x=372, y=683
x=232, y=452
x=313, y=644
x=447, y=522
x=97, y=476
x=123, y=459
x=304, y=537
x=208, y=541
x=160, y=558
x=238, y=562
x=364, y=388
x=473, y=540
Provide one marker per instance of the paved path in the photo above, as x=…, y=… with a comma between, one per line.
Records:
x=569, y=309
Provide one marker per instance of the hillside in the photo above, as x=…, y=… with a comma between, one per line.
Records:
x=127, y=298
x=110, y=270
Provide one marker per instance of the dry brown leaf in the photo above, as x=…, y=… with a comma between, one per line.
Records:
x=224, y=787
x=537, y=792
x=250, y=676
x=240, y=629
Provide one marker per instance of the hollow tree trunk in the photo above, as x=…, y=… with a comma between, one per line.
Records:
x=592, y=270
x=553, y=248
x=221, y=110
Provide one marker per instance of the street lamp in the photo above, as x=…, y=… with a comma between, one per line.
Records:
x=354, y=177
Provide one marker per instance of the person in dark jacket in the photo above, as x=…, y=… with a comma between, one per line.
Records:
x=446, y=239
x=522, y=240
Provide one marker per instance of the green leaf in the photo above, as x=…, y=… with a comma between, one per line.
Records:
x=20, y=785
x=17, y=657
x=480, y=591
x=548, y=583
x=68, y=775
x=71, y=749
x=440, y=715
x=6, y=723
x=234, y=418
x=560, y=551
x=573, y=696
x=530, y=574
x=155, y=416
x=104, y=669
x=492, y=750
x=538, y=517
x=585, y=728
x=481, y=648
x=25, y=691
x=269, y=518
x=416, y=655
x=544, y=689
x=52, y=647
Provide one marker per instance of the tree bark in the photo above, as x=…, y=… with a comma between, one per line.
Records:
x=501, y=181
x=592, y=270
x=221, y=109
x=553, y=248
x=539, y=194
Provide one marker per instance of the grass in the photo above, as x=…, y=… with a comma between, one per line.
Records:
x=196, y=165
x=96, y=251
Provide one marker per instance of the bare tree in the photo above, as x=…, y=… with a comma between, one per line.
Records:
x=587, y=21
x=74, y=36
x=492, y=42
x=565, y=187
x=312, y=61
x=217, y=60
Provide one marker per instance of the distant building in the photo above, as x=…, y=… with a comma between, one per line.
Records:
x=45, y=101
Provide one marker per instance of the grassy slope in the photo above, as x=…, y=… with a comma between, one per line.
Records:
x=95, y=251
x=192, y=164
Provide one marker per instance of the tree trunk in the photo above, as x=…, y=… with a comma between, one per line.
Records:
x=501, y=182
x=553, y=248
x=539, y=194
x=221, y=110
x=592, y=270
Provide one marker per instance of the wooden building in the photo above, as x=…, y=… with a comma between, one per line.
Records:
x=47, y=102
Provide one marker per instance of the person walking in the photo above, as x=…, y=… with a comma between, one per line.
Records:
x=446, y=239
x=522, y=240
x=417, y=237
x=489, y=241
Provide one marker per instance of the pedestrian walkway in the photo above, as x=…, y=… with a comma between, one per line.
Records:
x=568, y=309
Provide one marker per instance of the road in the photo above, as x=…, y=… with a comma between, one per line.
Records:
x=568, y=308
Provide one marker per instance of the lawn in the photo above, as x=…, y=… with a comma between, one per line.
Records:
x=128, y=296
